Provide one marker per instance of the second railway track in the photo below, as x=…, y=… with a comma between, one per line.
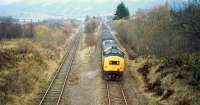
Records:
x=54, y=92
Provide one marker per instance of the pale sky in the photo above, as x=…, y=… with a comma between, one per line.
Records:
x=68, y=8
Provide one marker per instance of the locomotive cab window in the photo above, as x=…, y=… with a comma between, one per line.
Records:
x=114, y=62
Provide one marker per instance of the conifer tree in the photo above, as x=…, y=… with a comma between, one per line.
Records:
x=122, y=12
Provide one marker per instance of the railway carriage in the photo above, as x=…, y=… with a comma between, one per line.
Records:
x=113, y=63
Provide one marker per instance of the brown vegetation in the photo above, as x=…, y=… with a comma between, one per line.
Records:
x=90, y=29
x=27, y=64
x=160, y=32
x=168, y=40
x=168, y=82
x=19, y=70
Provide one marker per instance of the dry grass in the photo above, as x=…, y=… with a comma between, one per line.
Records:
x=20, y=68
x=163, y=85
x=26, y=65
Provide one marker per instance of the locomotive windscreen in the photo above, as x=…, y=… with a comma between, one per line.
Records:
x=114, y=62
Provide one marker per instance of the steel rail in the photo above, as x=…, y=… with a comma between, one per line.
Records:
x=123, y=94
x=108, y=93
x=121, y=91
x=67, y=75
x=71, y=46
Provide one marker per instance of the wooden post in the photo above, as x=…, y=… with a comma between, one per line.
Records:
x=31, y=35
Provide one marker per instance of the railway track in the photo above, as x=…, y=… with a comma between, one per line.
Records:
x=114, y=89
x=55, y=90
x=115, y=93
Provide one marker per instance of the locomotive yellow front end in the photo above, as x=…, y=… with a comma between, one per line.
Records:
x=113, y=67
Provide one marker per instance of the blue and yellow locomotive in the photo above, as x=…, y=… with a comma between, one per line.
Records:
x=113, y=64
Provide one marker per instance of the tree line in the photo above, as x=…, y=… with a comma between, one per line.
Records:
x=166, y=32
x=163, y=30
x=12, y=28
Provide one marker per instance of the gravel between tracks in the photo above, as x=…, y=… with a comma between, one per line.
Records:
x=85, y=86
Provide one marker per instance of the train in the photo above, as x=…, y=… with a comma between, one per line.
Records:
x=113, y=62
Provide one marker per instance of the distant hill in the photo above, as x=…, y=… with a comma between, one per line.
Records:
x=67, y=8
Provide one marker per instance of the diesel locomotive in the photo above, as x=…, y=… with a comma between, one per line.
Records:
x=113, y=63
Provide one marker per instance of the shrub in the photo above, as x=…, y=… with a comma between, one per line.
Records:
x=168, y=61
x=90, y=29
x=195, y=66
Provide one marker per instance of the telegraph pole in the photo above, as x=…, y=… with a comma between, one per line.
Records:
x=31, y=28
x=24, y=28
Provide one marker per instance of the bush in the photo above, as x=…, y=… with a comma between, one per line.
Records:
x=195, y=66
x=20, y=72
x=168, y=61
x=90, y=29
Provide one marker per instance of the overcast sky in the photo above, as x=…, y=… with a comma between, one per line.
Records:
x=68, y=8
